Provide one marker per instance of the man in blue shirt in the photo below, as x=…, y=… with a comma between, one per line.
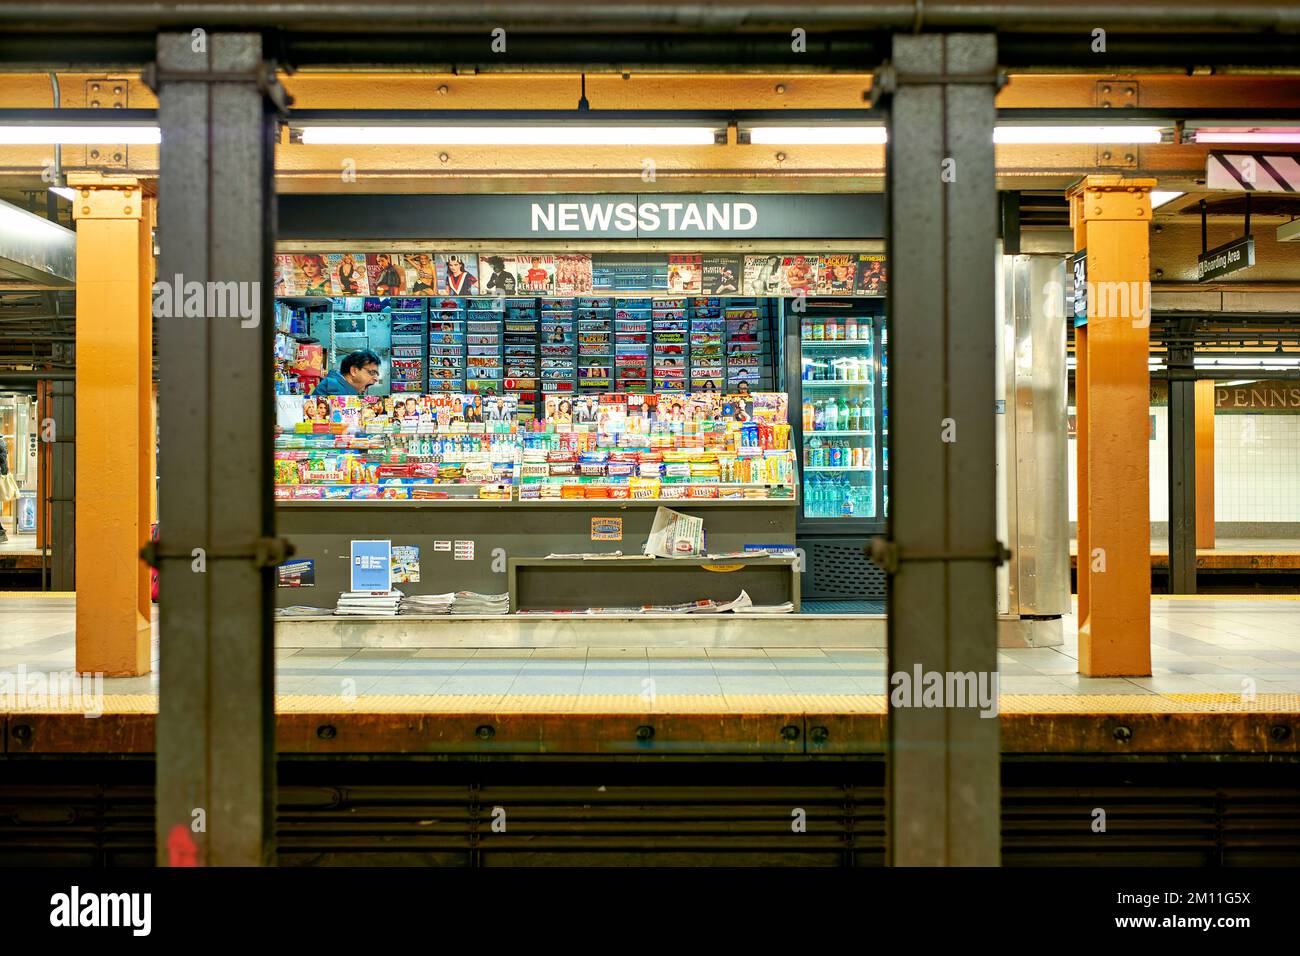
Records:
x=357, y=372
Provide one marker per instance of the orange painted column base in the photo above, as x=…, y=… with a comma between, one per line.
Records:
x=114, y=361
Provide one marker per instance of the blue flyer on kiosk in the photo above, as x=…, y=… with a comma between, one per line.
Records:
x=372, y=567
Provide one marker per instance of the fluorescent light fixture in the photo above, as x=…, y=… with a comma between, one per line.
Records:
x=79, y=135
x=568, y=134
x=1239, y=381
x=67, y=192
x=843, y=135
x=1076, y=135
x=1274, y=362
x=1161, y=196
x=1246, y=135
x=1152, y=362
x=850, y=135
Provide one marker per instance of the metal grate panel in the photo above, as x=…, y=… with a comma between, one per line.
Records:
x=839, y=570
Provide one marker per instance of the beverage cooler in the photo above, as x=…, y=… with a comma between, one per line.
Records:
x=834, y=370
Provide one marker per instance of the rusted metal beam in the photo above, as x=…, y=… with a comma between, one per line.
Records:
x=796, y=736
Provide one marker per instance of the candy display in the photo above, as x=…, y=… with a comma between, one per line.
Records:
x=611, y=446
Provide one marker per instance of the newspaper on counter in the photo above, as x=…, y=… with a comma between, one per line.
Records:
x=786, y=608
x=675, y=535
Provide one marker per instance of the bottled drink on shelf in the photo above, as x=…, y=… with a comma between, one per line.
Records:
x=851, y=329
x=808, y=413
x=819, y=330
x=819, y=416
x=832, y=332
x=831, y=416
x=805, y=329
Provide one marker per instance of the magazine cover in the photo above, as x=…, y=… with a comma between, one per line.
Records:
x=800, y=274
x=405, y=559
x=535, y=274
x=347, y=273
x=385, y=277
x=762, y=275
x=311, y=275
x=573, y=275
x=286, y=279
x=616, y=407
x=838, y=273
x=739, y=408
x=871, y=275
x=704, y=406
x=771, y=407
x=585, y=409
x=497, y=275
x=559, y=409
x=346, y=410
x=685, y=273
x=741, y=330
x=316, y=408
x=472, y=409
x=456, y=273
x=556, y=334
x=721, y=275
x=498, y=409
x=385, y=406
x=421, y=275
x=444, y=408
x=411, y=409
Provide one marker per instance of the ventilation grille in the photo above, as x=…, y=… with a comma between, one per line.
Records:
x=838, y=570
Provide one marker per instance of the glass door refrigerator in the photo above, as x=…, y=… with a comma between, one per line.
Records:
x=834, y=374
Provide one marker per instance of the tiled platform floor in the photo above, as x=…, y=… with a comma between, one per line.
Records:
x=1200, y=646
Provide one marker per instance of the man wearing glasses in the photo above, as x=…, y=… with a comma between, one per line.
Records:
x=357, y=372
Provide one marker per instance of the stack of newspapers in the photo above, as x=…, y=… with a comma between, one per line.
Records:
x=471, y=602
x=428, y=603
x=369, y=603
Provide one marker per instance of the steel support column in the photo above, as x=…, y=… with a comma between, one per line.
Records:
x=114, y=344
x=62, y=480
x=215, y=740
x=1111, y=216
x=943, y=782
x=1182, y=469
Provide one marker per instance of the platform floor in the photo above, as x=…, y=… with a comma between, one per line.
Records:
x=1222, y=652
x=18, y=544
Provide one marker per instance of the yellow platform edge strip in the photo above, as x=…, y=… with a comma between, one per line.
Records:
x=573, y=704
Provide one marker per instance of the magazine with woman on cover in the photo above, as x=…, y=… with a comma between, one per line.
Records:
x=421, y=274
x=455, y=277
x=385, y=277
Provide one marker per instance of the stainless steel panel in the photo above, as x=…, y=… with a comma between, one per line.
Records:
x=1036, y=435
